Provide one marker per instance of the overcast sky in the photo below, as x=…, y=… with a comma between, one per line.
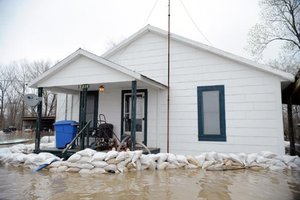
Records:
x=53, y=29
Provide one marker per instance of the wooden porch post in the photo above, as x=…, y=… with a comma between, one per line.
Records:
x=38, y=122
x=291, y=127
x=82, y=114
x=133, y=114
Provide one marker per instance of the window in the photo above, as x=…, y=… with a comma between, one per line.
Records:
x=211, y=113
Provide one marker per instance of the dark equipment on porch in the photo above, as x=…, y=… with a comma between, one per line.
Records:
x=104, y=135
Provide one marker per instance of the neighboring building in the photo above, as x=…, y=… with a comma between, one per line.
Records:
x=218, y=101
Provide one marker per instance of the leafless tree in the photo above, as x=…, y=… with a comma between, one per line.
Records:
x=6, y=76
x=281, y=23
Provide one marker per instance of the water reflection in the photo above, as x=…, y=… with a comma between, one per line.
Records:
x=19, y=183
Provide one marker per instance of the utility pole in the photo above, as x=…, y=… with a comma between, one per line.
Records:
x=168, y=96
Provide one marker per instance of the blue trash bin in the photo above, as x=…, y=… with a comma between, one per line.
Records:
x=65, y=132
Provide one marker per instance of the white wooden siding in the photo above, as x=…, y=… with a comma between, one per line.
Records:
x=252, y=97
x=85, y=71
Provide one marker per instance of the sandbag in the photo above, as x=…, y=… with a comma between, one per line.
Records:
x=73, y=169
x=111, y=154
x=99, y=164
x=87, y=152
x=182, y=159
x=201, y=159
x=74, y=158
x=99, y=156
x=86, y=166
x=122, y=156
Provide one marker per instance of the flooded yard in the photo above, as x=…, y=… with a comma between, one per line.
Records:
x=22, y=183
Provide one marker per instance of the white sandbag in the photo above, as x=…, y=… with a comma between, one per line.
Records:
x=99, y=164
x=86, y=166
x=87, y=152
x=267, y=154
x=62, y=168
x=223, y=156
x=65, y=163
x=111, y=154
x=190, y=166
x=137, y=155
x=30, y=159
x=201, y=159
x=192, y=160
x=85, y=171
x=51, y=160
x=235, y=158
x=112, y=161
x=172, y=159
x=182, y=159
x=262, y=160
x=74, y=158
x=42, y=157
x=243, y=158
x=122, y=156
x=297, y=161
x=21, y=158
x=162, y=157
x=293, y=166
x=55, y=164
x=145, y=159
x=99, y=156
x=152, y=165
x=162, y=166
x=287, y=159
x=251, y=158
x=121, y=166
x=206, y=164
x=211, y=156
x=154, y=157
x=111, y=168
x=73, y=169
x=84, y=159
x=98, y=171
x=138, y=165
x=172, y=166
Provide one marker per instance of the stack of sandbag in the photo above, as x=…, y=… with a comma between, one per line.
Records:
x=15, y=157
x=89, y=161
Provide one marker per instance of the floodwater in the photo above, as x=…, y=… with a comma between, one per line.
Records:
x=21, y=183
x=24, y=184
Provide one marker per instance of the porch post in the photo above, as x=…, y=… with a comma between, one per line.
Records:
x=38, y=122
x=291, y=126
x=82, y=115
x=133, y=114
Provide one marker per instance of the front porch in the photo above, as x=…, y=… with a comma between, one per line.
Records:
x=88, y=86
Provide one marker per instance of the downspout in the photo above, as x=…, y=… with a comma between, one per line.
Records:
x=168, y=95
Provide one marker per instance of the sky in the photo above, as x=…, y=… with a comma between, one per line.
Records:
x=53, y=29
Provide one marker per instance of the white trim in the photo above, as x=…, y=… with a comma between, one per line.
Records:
x=283, y=75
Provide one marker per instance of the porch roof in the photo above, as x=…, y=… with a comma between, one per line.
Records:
x=83, y=67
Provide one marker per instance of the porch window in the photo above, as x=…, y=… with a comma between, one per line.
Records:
x=211, y=113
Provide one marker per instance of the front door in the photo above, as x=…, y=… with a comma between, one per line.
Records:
x=141, y=114
x=92, y=108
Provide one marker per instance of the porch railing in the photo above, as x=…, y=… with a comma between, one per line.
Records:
x=83, y=130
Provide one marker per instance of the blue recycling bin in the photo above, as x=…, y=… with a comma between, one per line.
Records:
x=65, y=132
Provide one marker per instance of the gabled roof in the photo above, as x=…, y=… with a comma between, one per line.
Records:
x=285, y=76
x=81, y=52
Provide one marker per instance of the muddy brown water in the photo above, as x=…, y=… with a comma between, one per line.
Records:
x=22, y=183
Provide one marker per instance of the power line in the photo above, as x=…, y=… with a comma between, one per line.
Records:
x=150, y=13
x=195, y=23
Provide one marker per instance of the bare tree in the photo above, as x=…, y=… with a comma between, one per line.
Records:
x=6, y=74
x=280, y=23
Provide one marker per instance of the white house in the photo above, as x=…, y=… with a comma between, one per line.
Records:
x=218, y=101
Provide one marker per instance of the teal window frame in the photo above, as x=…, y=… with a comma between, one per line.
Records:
x=201, y=134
